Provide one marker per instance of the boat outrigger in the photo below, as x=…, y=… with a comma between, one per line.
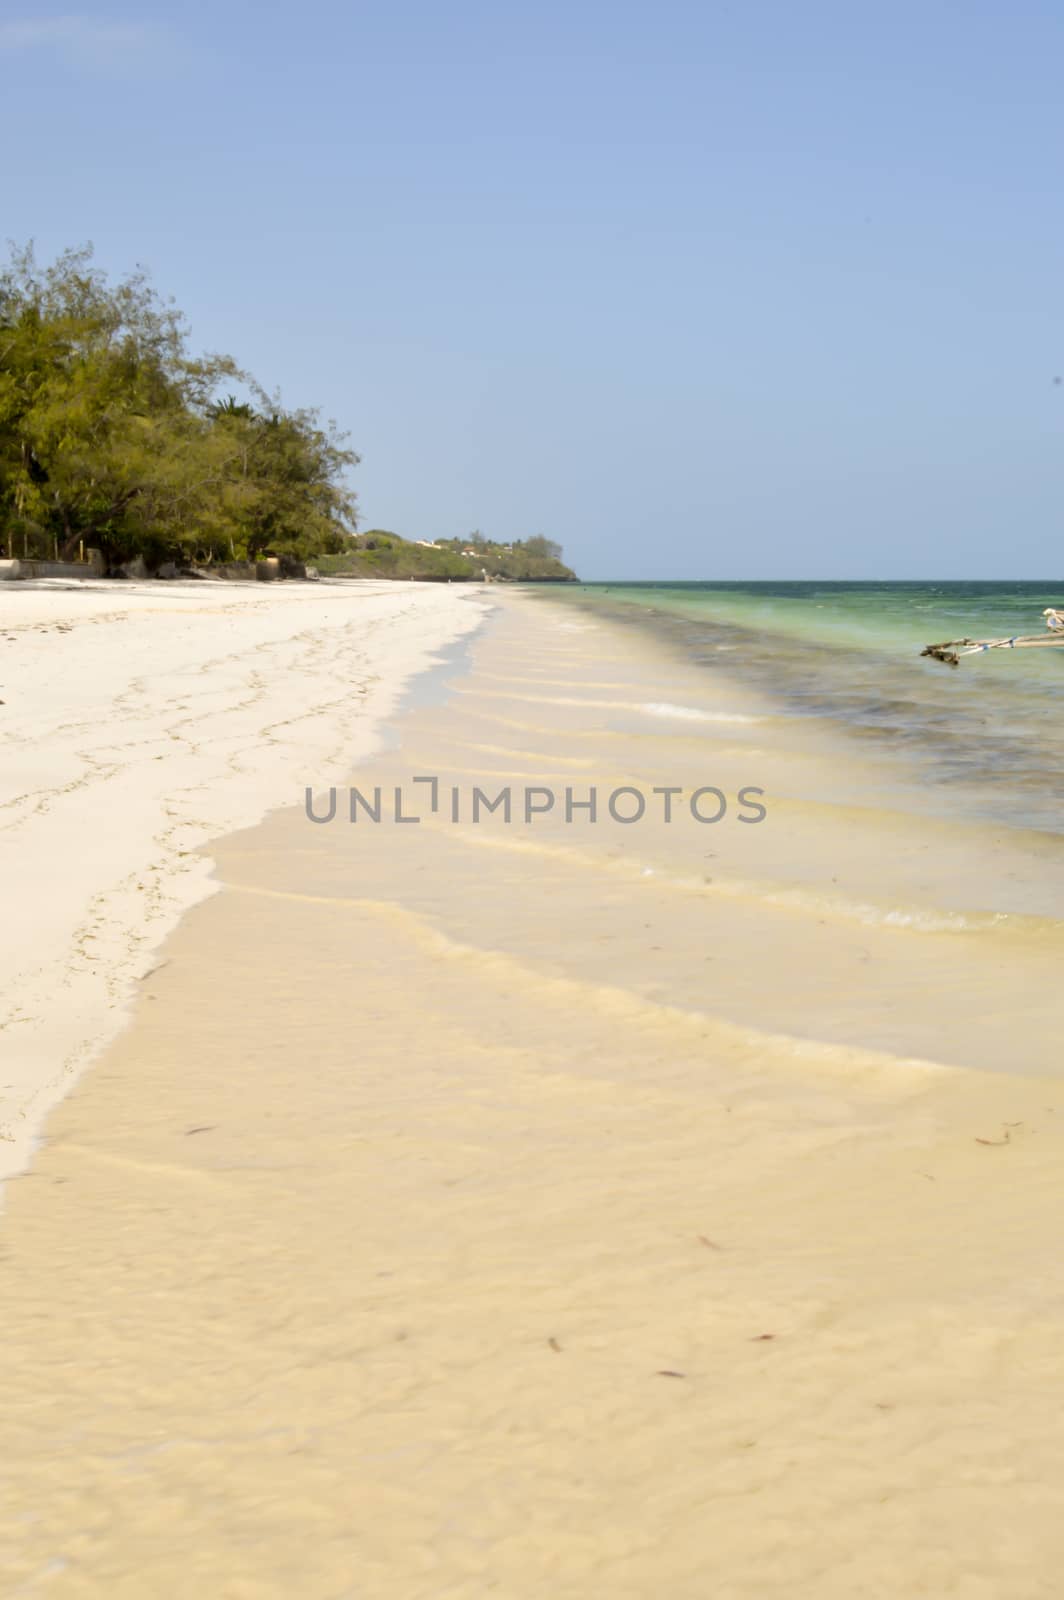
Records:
x=952, y=650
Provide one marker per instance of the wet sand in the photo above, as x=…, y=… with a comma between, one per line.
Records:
x=558, y=1210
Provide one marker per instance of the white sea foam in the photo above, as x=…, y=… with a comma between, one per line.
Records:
x=664, y=708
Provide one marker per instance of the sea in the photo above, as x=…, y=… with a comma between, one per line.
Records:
x=985, y=738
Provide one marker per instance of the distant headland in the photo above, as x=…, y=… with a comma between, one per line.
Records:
x=379, y=554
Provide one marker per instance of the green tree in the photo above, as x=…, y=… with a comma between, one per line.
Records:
x=111, y=433
x=98, y=404
x=284, y=490
x=539, y=546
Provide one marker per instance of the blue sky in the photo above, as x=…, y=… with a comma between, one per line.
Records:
x=749, y=289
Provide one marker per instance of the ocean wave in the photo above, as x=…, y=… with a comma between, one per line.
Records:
x=650, y=708
x=758, y=1047
x=665, y=708
x=778, y=896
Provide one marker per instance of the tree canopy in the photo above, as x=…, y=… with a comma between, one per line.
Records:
x=545, y=549
x=113, y=435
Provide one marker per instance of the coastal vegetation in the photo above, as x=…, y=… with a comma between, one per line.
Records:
x=113, y=435
x=116, y=437
x=379, y=554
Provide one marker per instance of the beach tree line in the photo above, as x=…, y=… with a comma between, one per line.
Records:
x=114, y=435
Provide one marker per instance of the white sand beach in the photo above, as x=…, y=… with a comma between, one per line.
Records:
x=531, y=802
x=564, y=1211
x=139, y=721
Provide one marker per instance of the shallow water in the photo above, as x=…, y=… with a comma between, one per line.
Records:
x=985, y=740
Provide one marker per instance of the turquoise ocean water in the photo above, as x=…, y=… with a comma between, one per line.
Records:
x=987, y=736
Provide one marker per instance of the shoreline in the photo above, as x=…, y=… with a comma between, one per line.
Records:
x=122, y=762
x=455, y=1215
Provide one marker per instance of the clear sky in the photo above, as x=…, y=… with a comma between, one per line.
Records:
x=766, y=288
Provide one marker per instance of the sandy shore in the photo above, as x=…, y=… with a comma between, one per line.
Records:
x=557, y=1211
x=138, y=722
